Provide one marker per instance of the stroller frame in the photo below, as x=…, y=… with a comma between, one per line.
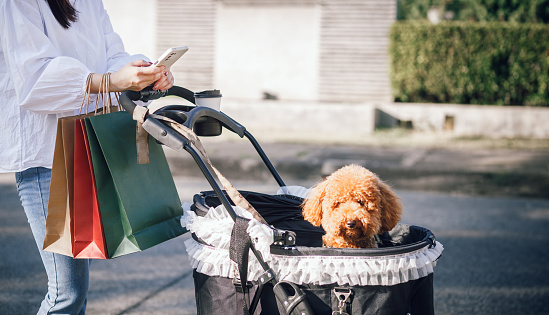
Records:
x=190, y=117
x=165, y=126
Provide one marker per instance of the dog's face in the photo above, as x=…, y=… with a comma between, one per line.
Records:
x=352, y=205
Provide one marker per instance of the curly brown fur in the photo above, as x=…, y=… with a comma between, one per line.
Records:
x=352, y=205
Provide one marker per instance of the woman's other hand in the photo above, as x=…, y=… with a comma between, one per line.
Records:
x=165, y=82
x=136, y=76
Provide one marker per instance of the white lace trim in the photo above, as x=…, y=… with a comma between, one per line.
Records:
x=357, y=270
x=215, y=229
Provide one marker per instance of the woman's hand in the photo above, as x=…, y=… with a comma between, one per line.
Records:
x=136, y=76
x=165, y=82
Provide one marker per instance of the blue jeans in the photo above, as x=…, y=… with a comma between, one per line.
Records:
x=68, y=278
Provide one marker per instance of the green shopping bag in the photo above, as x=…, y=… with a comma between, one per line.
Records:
x=139, y=204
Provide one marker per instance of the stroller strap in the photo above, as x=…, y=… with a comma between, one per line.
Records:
x=236, y=197
x=239, y=253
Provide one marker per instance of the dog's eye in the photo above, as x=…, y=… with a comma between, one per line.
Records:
x=362, y=203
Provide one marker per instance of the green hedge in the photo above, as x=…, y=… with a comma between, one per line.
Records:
x=519, y=11
x=470, y=63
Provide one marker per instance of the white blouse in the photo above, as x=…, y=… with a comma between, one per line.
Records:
x=43, y=71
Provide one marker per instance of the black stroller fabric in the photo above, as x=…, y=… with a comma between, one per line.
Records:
x=281, y=211
x=217, y=295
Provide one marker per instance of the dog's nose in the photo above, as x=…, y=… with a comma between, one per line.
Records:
x=351, y=224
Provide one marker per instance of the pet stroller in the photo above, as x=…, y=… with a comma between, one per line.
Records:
x=289, y=272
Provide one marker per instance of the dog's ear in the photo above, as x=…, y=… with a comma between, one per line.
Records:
x=391, y=208
x=312, y=206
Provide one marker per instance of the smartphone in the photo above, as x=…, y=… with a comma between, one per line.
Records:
x=170, y=56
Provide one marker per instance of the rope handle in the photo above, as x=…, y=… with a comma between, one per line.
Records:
x=103, y=93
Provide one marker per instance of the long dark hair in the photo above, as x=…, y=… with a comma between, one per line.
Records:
x=63, y=11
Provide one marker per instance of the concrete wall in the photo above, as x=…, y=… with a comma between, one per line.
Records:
x=351, y=123
x=473, y=120
x=303, y=121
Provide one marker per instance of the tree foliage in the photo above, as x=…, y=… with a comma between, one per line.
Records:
x=519, y=11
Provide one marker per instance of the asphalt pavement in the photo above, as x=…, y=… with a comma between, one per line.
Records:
x=489, y=207
x=465, y=170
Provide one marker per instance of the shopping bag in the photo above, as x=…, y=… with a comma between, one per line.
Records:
x=139, y=204
x=88, y=240
x=58, y=219
x=59, y=227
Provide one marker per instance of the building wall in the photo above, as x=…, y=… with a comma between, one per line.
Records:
x=313, y=50
x=189, y=23
x=270, y=49
x=354, y=50
x=135, y=21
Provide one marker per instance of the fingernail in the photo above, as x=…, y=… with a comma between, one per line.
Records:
x=166, y=73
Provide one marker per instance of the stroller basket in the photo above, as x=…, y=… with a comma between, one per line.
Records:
x=397, y=275
x=283, y=275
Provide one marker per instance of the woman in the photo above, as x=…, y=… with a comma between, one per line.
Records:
x=48, y=48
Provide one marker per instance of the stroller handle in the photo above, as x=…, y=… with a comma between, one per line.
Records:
x=128, y=98
x=189, y=116
x=196, y=115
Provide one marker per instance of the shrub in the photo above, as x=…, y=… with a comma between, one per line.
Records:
x=470, y=63
x=520, y=11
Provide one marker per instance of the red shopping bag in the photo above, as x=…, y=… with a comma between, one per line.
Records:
x=88, y=238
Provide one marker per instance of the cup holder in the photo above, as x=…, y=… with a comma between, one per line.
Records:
x=209, y=127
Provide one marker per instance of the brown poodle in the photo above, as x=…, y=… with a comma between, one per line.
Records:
x=353, y=205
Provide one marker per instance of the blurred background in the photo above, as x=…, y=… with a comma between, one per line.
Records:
x=352, y=70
